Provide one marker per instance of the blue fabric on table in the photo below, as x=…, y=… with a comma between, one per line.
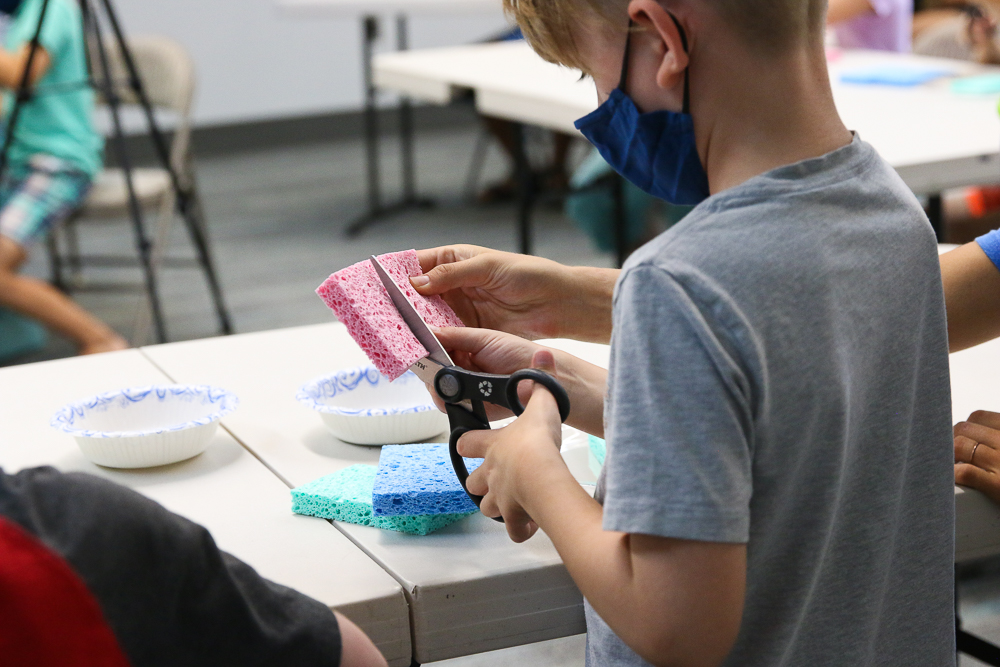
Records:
x=894, y=75
x=990, y=243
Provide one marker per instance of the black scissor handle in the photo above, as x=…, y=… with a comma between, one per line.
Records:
x=542, y=378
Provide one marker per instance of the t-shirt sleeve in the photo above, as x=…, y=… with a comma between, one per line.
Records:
x=678, y=416
x=990, y=243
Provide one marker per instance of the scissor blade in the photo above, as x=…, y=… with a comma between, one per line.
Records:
x=435, y=351
x=425, y=369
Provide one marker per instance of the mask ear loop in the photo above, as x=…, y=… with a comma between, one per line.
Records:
x=684, y=43
x=628, y=47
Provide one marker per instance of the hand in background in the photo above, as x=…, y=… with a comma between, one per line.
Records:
x=977, y=453
x=486, y=351
x=530, y=297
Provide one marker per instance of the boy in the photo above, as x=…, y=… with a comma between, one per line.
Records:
x=53, y=159
x=778, y=487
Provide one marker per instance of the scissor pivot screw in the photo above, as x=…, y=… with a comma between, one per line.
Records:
x=449, y=386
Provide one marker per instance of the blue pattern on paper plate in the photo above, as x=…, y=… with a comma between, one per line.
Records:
x=350, y=379
x=68, y=418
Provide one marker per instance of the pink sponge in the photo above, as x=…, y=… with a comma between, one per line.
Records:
x=358, y=298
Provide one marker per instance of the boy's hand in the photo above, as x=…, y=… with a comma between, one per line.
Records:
x=530, y=297
x=518, y=458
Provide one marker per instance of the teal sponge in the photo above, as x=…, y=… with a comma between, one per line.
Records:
x=346, y=495
x=598, y=452
x=419, y=479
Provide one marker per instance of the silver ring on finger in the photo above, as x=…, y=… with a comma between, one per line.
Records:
x=973, y=457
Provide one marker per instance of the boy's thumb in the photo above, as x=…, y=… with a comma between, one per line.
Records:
x=544, y=360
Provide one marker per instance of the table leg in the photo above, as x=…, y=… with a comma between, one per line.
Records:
x=369, y=34
x=935, y=213
x=525, y=188
x=621, y=220
x=376, y=209
x=405, y=121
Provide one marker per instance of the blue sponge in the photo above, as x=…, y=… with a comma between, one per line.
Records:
x=598, y=452
x=346, y=495
x=419, y=480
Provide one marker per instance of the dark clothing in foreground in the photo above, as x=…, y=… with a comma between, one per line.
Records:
x=167, y=592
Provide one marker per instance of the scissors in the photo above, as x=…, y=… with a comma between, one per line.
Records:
x=464, y=392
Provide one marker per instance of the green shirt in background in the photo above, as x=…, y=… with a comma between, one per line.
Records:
x=58, y=120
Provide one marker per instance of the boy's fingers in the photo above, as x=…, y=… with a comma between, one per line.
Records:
x=477, y=483
x=489, y=506
x=520, y=529
x=475, y=444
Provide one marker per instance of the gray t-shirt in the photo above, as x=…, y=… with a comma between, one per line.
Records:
x=779, y=377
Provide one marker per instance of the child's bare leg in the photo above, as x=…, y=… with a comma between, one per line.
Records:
x=41, y=301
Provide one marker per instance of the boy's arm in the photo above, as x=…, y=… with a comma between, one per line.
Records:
x=676, y=602
x=972, y=296
x=12, y=66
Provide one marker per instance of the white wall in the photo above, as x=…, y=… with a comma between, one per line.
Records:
x=256, y=61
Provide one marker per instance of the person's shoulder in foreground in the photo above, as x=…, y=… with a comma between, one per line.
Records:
x=779, y=371
x=166, y=593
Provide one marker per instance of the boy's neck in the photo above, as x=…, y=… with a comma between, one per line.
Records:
x=762, y=116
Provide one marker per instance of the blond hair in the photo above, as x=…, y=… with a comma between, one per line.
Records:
x=766, y=25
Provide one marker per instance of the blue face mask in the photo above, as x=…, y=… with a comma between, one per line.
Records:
x=655, y=151
x=9, y=6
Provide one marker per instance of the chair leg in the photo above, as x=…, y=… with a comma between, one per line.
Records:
x=55, y=260
x=476, y=167
x=73, y=250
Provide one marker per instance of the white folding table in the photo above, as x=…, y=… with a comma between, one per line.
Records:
x=245, y=507
x=934, y=138
x=469, y=587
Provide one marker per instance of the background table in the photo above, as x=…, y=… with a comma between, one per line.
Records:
x=935, y=139
x=368, y=13
x=469, y=587
x=227, y=490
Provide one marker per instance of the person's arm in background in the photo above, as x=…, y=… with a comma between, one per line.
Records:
x=12, y=66
x=972, y=297
x=972, y=292
x=845, y=10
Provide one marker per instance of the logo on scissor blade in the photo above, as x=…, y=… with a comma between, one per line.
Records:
x=485, y=387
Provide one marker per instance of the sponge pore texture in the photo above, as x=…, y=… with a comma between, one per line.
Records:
x=360, y=301
x=419, y=479
x=346, y=495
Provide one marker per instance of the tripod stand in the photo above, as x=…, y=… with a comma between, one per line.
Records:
x=187, y=205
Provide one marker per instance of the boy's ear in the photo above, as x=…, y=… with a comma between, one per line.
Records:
x=659, y=26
